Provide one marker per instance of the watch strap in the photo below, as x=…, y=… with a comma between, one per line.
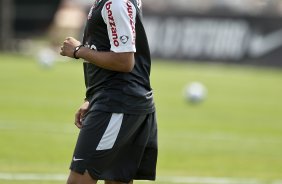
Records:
x=76, y=49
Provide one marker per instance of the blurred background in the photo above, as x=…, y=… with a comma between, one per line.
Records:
x=216, y=75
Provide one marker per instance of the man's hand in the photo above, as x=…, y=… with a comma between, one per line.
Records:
x=68, y=47
x=80, y=114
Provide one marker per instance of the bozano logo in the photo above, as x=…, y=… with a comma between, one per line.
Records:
x=112, y=24
x=131, y=19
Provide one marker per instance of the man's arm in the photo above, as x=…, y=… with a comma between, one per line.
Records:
x=121, y=62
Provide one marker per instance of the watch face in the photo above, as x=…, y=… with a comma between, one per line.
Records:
x=77, y=48
x=75, y=51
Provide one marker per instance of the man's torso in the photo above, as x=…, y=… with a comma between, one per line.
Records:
x=115, y=25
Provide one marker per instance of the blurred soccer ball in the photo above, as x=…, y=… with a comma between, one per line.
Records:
x=46, y=58
x=195, y=92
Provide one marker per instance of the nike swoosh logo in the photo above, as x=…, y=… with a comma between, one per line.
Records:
x=261, y=45
x=77, y=159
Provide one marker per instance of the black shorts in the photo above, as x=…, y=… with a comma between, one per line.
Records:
x=117, y=147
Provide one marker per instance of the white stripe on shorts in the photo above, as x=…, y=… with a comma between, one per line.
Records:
x=109, y=138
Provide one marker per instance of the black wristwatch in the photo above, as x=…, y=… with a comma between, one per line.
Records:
x=75, y=51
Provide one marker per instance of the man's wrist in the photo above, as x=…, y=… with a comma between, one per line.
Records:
x=76, y=49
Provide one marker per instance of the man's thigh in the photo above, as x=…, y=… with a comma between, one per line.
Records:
x=114, y=182
x=75, y=178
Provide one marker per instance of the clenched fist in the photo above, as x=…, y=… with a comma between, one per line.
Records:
x=68, y=47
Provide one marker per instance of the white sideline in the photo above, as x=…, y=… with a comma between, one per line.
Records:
x=32, y=177
x=169, y=179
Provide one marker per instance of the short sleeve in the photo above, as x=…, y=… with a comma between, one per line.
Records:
x=120, y=18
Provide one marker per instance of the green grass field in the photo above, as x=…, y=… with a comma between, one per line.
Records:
x=235, y=133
